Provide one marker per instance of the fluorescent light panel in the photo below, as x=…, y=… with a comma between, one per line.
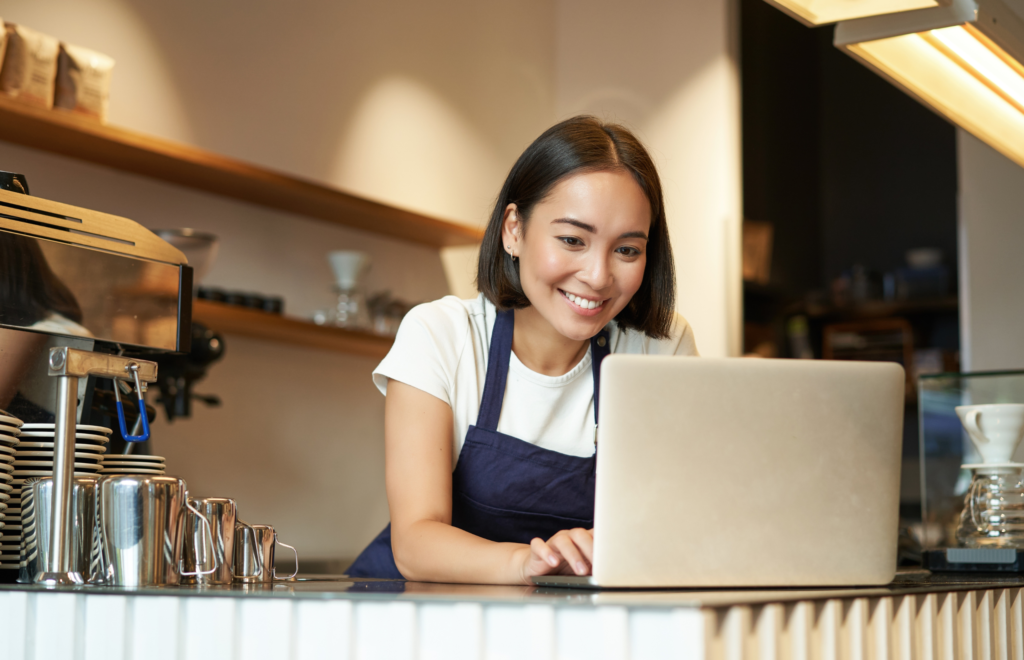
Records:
x=820, y=12
x=961, y=74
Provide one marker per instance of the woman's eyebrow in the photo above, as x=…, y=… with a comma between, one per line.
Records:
x=584, y=226
x=575, y=223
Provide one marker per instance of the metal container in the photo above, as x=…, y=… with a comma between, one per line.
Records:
x=141, y=520
x=254, y=554
x=37, y=506
x=221, y=513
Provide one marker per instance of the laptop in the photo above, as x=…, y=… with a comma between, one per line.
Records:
x=745, y=473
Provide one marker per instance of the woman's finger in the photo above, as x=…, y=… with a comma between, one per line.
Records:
x=545, y=552
x=584, y=540
x=566, y=546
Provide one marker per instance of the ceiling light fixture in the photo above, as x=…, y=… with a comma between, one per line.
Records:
x=820, y=12
x=963, y=61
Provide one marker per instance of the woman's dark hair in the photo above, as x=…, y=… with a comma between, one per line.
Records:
x=29, y=290
x=582, y=144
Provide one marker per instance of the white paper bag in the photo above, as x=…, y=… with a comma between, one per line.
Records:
x=30, y=66
x=83, y=81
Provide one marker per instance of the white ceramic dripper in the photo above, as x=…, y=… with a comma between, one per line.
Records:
x=348, y=266
x=996, y=429
x=350, y=310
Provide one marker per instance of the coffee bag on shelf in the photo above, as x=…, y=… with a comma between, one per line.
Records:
x=30, y=66
x=83, y=81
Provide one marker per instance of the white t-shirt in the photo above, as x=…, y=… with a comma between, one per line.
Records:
x=60, y=324
x=442, y=348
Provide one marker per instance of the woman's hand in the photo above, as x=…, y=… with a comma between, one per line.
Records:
x=569, y=552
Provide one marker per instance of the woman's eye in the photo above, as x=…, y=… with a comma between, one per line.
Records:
x=628, y=251
x=571, y=241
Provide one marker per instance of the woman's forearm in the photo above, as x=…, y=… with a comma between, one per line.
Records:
x=432, y=551
x=418, y=459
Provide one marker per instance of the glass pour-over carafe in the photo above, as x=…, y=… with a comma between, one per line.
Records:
x=993, y=514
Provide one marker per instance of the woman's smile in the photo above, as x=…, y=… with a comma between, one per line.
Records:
x=582, y=305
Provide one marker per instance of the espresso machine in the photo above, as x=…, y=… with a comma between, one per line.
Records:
x=90, y=305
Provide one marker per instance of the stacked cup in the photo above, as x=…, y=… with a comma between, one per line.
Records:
x=133, y=464
x=10, y=533
x=33, y=457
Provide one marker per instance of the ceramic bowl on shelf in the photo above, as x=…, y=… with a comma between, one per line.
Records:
x=199, y=247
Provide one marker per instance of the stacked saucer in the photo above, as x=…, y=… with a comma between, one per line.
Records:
x=133, y=464
x=33, y=457
x=10, y=532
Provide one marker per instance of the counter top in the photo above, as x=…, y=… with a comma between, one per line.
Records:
x=340, y=587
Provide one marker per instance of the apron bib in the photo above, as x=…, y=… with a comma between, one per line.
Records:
x=505, y=489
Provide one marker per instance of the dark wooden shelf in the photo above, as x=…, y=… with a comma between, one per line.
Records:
x=881, y=309
x=62, y=133
x=274, y=327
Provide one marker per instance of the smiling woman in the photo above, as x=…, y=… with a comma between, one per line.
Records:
x=491, y=411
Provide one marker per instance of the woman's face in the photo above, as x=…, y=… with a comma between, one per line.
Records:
x=583, y=256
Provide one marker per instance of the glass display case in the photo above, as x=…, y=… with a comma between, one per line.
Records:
x=945, y=445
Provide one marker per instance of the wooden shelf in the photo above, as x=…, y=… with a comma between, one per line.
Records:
x=68, y=135
x=273, y=327
x=881, y=309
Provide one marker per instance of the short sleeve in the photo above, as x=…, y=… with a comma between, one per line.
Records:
x=683, y=334
x=426, y=351
x=680, y=340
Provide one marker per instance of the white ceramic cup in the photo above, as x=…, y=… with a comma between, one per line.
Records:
x=995, y=428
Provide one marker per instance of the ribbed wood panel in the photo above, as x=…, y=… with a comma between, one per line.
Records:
x=81, y=626
x=963, y=625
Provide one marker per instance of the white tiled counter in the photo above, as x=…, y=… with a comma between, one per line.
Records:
x=919, y=616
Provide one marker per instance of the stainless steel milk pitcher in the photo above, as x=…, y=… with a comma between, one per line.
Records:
x=141, y=520
x=37, y=503
x=254, y=554
x=221, y=513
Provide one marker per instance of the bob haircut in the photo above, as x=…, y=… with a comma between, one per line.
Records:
x=29, y=289
x=578, y=145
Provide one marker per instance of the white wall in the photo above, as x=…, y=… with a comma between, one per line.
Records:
x=421, y=105
x=670, y=71
x=991, y=260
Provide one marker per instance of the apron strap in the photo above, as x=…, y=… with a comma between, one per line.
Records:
x=497, y=370
x=498, y=361
x=600, y=347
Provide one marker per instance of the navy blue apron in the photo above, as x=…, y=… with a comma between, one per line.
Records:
x=505, y=489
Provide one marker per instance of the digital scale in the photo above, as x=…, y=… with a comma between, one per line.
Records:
x=974, y=560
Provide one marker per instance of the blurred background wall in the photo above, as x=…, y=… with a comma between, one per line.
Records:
x=992, y=270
